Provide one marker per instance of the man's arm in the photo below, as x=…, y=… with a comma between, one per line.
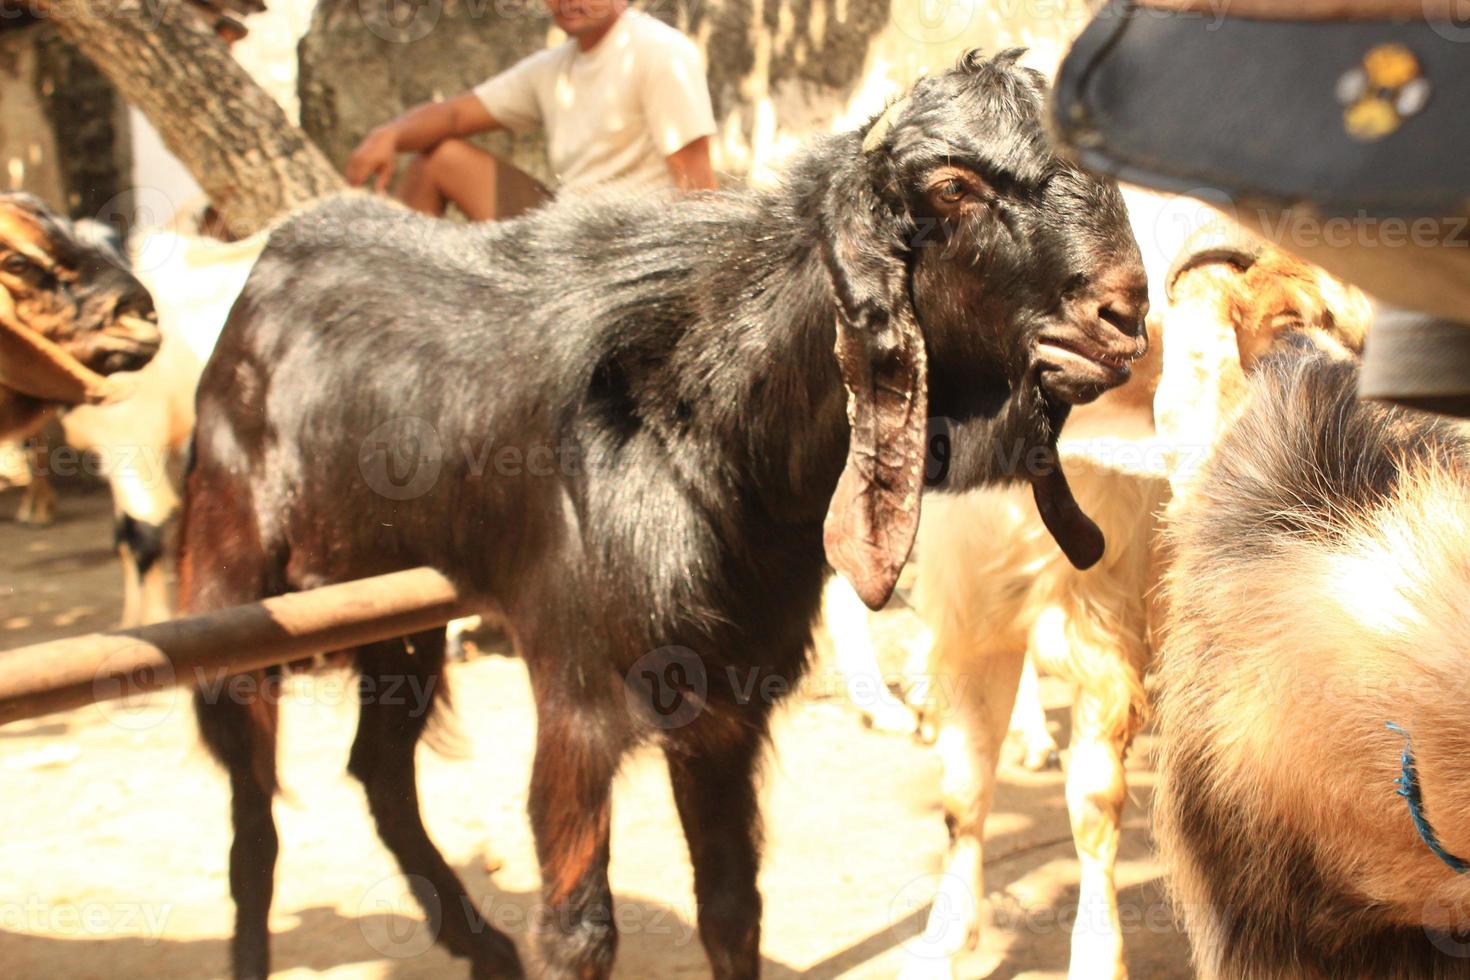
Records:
x=691, y=168
x=419, y=129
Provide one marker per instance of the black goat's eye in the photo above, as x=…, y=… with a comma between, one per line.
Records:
x=952, y=191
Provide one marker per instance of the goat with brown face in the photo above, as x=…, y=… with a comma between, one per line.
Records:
x=69, y=313
x=619, y=422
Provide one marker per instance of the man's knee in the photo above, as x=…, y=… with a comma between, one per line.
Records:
x=449, y=157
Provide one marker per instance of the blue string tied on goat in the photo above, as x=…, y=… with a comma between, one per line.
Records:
x=1409, y=789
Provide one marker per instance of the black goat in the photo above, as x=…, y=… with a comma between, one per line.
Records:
x=665, y=423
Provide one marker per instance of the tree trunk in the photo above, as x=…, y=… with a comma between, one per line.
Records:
x=64, y=132
x=233, y=137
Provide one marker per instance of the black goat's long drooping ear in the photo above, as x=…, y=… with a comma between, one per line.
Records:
x=874, y=513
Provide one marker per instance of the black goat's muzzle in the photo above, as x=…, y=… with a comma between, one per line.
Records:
x=1077, y=365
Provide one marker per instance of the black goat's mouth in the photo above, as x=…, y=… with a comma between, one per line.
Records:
x=1074, y=356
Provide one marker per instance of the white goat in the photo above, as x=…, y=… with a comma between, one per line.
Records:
x=993, y=587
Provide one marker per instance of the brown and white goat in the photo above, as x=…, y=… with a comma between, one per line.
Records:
x=1315, y=780
x=139, y=442
x=993, y=589
x=69, y=316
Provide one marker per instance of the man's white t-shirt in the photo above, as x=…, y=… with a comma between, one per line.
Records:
x=611, y=114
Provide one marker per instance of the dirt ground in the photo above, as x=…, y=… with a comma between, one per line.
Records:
x=114, y=827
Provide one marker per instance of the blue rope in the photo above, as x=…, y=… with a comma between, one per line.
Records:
x=1408, y=788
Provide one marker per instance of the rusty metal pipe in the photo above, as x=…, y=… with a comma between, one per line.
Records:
x=63, y=674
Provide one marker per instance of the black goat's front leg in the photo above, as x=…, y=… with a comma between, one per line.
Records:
x=397, y=691
x=578, y=747
x=714, y=789
x=241, y=732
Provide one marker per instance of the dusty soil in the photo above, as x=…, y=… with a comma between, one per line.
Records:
x=114, y=827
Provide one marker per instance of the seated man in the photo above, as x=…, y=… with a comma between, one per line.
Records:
x=623, y=101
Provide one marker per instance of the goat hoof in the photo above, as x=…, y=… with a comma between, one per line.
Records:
x=1041, y=760
x=892, y=718
x=495, y=958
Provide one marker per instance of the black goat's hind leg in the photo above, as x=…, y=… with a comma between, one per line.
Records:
x=238, y=723
x=715, y=792
x=397, y=690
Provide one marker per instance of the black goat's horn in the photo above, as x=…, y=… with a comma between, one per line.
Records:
x=879, y=130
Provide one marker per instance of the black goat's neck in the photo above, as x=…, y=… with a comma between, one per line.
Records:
x=765, y=371
x=1007, y=437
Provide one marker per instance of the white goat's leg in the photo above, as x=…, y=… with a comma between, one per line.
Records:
x=847, y=623
x=156, y=605
x=971, y=737
x=145, y=502
x=38, y=505
x=918, y=672
x=1095, y=795
x=132, y=613
x=1028, y=722
x=1101, y=727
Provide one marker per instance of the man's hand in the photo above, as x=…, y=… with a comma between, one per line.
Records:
x=374, y=157
x=418, y=130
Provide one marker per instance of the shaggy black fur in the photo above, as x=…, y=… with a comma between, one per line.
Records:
x=620, y=421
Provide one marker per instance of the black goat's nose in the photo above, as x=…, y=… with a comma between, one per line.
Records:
x=1126, y=310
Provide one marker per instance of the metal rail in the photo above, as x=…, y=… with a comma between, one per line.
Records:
x=63, y=674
